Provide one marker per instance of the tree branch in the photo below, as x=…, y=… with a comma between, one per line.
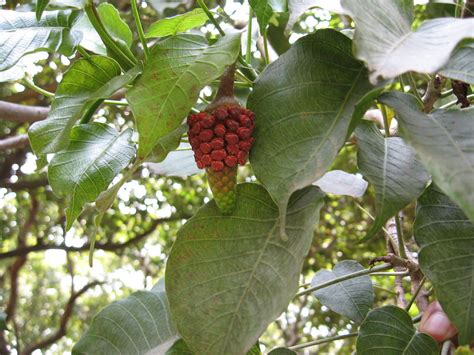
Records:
x=22, y=113
x=19, y=141
x=48, y=341
x=392, y=247
x=433, y=93
x=99, y=246
x=24, y=185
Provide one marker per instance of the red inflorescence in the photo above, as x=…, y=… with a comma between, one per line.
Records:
x=221, y=138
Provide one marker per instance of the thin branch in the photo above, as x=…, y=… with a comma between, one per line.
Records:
x=24, y=185
x=433, y=93
x=66, y=316
x=344, y=278
x=322, y=341
x=100, y=246
x=14, y=142
x=415, y=294
x=22, y=113
x=392, y=246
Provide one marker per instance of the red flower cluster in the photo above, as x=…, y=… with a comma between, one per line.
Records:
x=221, y=138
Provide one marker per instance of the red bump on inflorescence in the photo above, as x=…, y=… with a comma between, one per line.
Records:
x=221, y=138
x=217, y=143
x=217, y=165
x=220, y=130
x=218, y=154
x=231, y=138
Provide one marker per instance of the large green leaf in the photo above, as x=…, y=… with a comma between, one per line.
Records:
x=264, y=10
x=228, y=277
x=115, y=26
x=392, y=168
x=80, y=92
x=352, y=298
x=138, y=324
x=167, y=144
x=178, y=68
x=443, y=141
x=40, y=6
x=383, y=38
x=303, y=103
x=446, y=238
x=389, y=331
x=96, y=154
x=181, y=348
x=180, y=23
x=461, y=65
x=20, y=34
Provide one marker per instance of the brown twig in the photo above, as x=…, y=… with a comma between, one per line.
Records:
x=433, y=93
x=66, y=316
x=14, y=142
x=24, y=185
x=22, y=113
x=392, y=243
x=100, y=246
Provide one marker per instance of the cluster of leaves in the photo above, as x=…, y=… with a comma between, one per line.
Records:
x=226, y=281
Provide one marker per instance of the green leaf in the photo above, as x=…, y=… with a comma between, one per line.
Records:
x=80, y=92
x=90, y=38
x=115, y=26
x=178, y=68
x=392, y=168
x=179, y=348
x=180, y=23
x=96, y=154
x=138, y=324
x=167, y=144
x=40, y=6
x=3, y=321
x=281, y=351
x=389, y=330
x=443, y=141
x=383, y=38
x=461, y=65
x=228, y=277
x=264, y=10
x=446, y=239
x=21, y=34
x=303, y=104
x=352, y=298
